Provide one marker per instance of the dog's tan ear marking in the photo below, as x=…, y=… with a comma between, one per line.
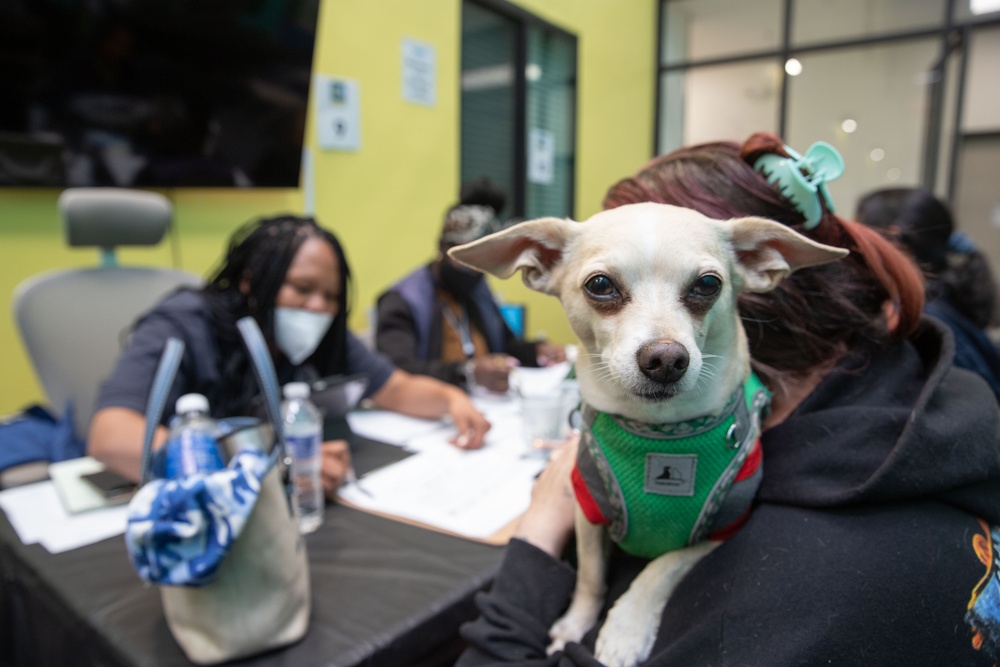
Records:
x=768, y=251
x=534, y=247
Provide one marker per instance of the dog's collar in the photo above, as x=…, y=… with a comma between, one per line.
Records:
x=751, y=395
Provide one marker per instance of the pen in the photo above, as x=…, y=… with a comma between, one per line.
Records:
x=352, y=478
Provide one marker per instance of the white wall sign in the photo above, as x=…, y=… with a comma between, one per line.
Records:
x=541, y=156
x=338, y=113
x=419, y=73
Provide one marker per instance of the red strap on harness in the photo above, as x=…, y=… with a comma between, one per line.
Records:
x=750, y=466
x=586, y=501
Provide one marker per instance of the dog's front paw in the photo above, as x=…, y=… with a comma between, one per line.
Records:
x=564, y=631
x=624, y=640
x=570, y=628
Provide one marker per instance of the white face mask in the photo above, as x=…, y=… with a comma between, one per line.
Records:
x=298, y=332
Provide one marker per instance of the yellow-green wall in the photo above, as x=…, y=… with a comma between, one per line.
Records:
x=386, y=200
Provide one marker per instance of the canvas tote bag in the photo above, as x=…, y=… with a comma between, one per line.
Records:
x=257, y=595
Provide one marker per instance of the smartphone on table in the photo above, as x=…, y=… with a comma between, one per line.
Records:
x=114, y=487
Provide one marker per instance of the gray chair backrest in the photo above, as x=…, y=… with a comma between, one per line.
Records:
x=75, y=322
x=112, y=217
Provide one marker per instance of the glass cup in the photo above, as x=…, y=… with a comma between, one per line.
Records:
x=569, y=395
x=543, y=423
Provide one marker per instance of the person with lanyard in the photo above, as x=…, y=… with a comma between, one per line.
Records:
x=291, y=275
x=442, y=320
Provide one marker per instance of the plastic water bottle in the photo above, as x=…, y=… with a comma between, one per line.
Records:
x=303, y=434
x=192, y=446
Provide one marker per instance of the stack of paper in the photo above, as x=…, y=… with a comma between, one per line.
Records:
x=39, y=516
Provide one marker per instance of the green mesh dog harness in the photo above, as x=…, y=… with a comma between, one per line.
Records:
x=661, y=487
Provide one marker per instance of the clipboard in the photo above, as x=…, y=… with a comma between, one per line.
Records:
x=498, y=539
x=477, y=495
x=372, y=456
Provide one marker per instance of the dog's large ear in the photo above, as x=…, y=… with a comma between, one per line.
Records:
x=768, y=251
x=534, y=246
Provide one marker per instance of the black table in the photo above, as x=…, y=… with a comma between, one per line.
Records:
x=383, y=593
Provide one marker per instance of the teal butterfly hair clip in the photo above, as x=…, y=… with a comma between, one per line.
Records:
x=802, y=179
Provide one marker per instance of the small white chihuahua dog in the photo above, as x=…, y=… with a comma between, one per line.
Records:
x=669, y=455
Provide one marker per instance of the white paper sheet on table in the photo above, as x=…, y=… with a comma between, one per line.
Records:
x=391, y=427
x=414, y=434
x=38, y=516
x=500, y=411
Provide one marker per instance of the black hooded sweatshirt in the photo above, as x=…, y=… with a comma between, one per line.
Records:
x=873, y=540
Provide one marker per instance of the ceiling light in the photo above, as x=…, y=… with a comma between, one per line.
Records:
x=849, y=125
x=793, y=67
x=984, y=6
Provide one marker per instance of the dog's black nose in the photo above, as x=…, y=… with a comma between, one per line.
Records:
x=663, y=361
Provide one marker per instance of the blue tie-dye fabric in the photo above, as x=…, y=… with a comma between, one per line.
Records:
x=180, y=530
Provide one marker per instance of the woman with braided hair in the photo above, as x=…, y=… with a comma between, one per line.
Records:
x=291, y=275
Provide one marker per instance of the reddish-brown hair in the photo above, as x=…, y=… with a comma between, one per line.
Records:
x=813, y=314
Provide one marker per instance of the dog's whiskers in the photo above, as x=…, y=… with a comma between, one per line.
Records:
x=604, y=371
x=708, y=371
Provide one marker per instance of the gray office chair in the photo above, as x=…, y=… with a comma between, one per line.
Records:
x=75, y=322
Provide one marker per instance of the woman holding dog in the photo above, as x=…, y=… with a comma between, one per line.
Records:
x=292, y=277
x=874, y=535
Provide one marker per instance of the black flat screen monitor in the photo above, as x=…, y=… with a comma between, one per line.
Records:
x=154, y=93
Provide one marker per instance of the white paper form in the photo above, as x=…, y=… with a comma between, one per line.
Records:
x=474, y=493
x=38, y=516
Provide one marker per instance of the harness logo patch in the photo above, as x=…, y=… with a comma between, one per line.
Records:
x=670, y=474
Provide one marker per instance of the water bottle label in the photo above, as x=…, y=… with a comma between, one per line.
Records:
x=303, y=446
x=191, y=452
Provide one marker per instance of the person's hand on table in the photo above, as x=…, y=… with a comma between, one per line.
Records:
x=493, y=371
x=470, y=424
x=549, y=354
x=548, y=522
x=335, y=462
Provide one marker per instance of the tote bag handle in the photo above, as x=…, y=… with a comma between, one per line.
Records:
x=266, y=376
x=170, y=360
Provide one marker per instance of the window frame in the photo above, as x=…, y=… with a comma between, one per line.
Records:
x=953, y=35
x=526, y=20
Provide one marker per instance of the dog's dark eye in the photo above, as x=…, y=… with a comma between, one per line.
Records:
x=707, y=286
x=600, y=287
